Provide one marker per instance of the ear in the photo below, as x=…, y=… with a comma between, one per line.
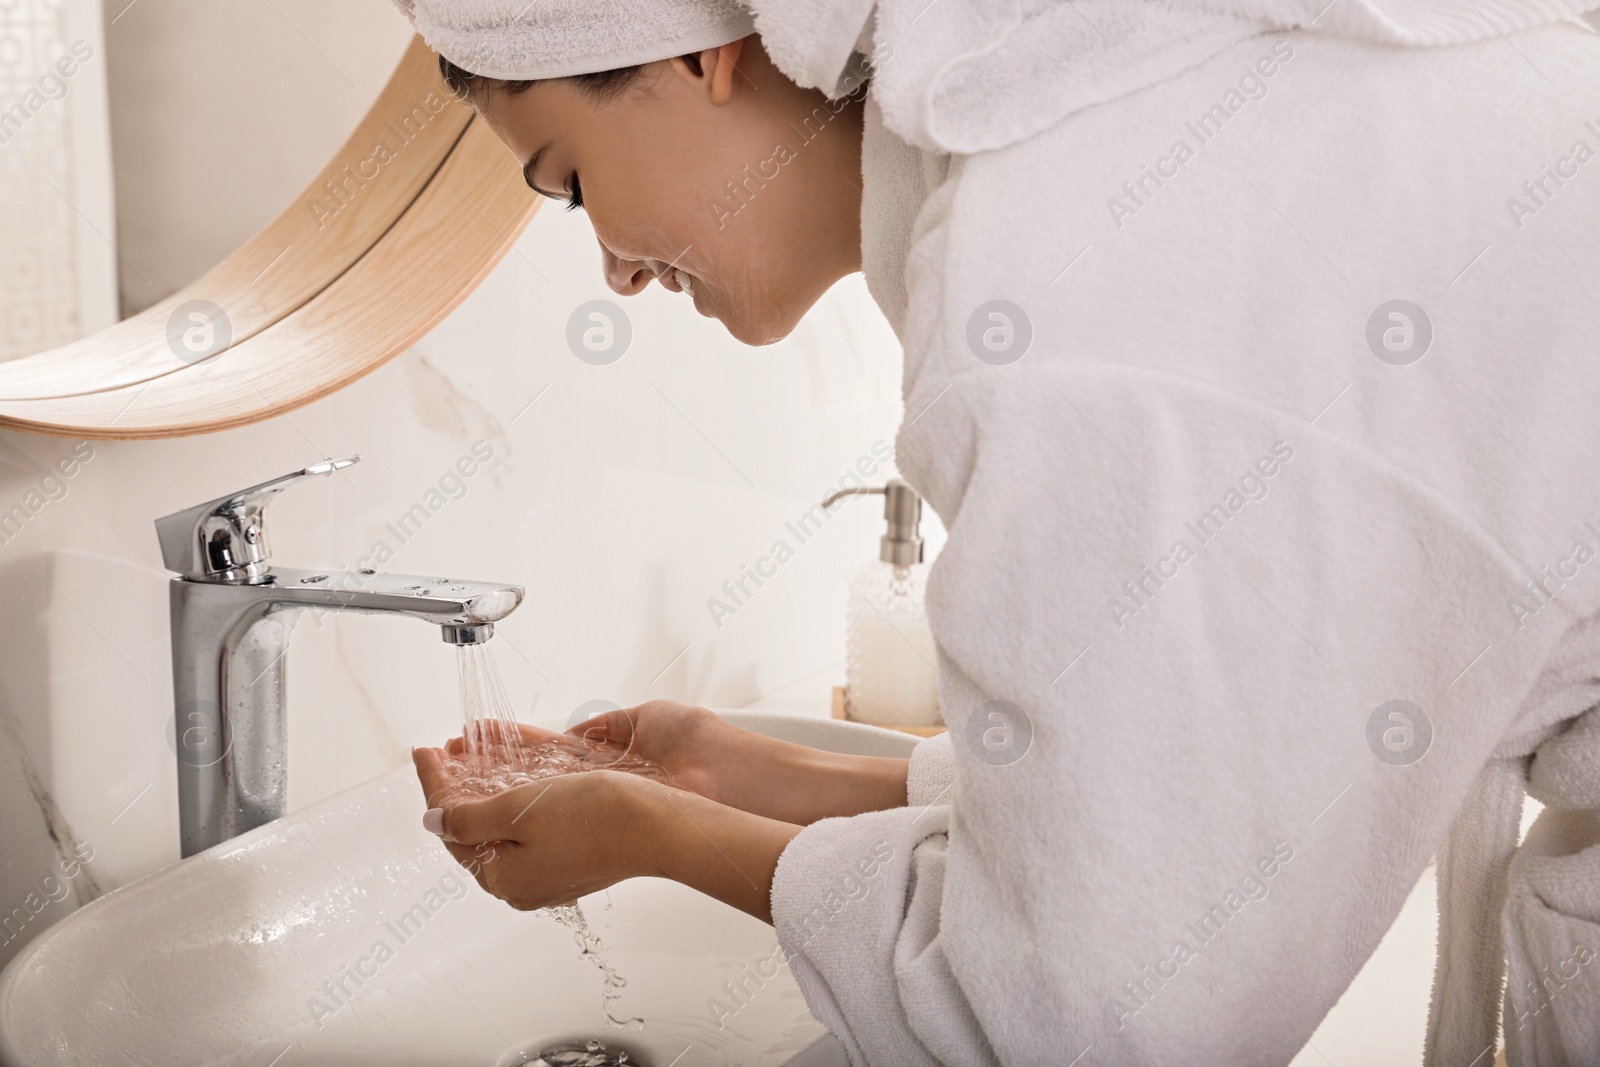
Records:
x=714, y=68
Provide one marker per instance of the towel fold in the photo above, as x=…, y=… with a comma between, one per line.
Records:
x=1565, y=771
x=1550, y=919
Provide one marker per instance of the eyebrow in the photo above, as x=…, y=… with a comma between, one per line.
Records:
x=528, y=169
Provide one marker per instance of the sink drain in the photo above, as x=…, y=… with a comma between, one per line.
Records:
x=591, y=1053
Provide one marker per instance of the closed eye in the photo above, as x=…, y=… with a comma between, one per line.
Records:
x=576, y=199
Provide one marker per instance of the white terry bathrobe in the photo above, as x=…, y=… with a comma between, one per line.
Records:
x=1259, y=590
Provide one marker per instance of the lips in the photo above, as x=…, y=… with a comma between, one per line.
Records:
x=681, y=281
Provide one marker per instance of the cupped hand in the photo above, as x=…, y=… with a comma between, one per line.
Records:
x=546, y=843
x=694, y=749
x=691, y=745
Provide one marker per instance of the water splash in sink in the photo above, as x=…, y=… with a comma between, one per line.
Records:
x=591, y=949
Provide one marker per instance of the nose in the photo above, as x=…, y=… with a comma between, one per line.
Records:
x=625, y=276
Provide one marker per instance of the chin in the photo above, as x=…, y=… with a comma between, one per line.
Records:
x=762, y=340
x=765, y=331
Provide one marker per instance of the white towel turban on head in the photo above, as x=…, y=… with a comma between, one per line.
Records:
x=956, y=76
x=519, y=40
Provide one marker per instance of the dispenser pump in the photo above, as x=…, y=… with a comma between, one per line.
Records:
x=890, y=679
x=901, y=543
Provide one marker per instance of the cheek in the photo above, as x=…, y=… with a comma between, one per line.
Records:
x=753, y=254
x=637, y=217
x=730, y=215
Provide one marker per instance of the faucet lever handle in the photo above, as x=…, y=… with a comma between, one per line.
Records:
x=226, y=539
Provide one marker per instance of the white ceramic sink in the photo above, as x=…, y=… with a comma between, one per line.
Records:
x=238, y=955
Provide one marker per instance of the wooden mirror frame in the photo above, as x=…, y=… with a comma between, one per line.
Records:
x=408, y=217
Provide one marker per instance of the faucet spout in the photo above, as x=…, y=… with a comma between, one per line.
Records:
x=442, y=601
x=454, y=634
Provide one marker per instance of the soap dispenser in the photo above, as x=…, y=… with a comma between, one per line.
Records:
x=890, y=677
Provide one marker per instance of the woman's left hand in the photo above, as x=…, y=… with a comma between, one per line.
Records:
x=545, y=843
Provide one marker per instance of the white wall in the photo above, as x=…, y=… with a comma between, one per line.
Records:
x=619, y=499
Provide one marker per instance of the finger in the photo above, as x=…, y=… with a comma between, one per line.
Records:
x=472, y=822
x=536, y=735
x=596, y=727
x=432, y=773
x=459, y=747
x=474, y=859
x=479, y=860
x=468, y=857
x=612, y=729
x=539, y=905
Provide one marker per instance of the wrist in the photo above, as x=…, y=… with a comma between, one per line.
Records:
x=716, y=751
x=646, y=821
x=800, y=784
x=716, y=849
x=672, y=831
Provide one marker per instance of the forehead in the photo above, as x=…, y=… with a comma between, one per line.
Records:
x=525, y=119
x=565, y=107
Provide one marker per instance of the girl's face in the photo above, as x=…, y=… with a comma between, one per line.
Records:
x=713, y=174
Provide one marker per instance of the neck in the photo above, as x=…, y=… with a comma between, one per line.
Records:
x=849, y=183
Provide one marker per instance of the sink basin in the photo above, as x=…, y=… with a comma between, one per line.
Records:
x=344, y=934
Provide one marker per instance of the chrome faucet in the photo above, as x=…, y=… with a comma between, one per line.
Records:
x=232, y=616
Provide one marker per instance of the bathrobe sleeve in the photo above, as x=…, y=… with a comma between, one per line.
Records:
x=832, y=880
x=932, y=771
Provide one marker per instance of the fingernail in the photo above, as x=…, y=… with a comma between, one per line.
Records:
x=433, y=821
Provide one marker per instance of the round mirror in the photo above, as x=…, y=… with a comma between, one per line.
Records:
x=200, y=199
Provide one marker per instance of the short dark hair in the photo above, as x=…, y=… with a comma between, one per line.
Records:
x=601, y=85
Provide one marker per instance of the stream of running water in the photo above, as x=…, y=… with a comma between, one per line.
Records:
x=499, y=756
